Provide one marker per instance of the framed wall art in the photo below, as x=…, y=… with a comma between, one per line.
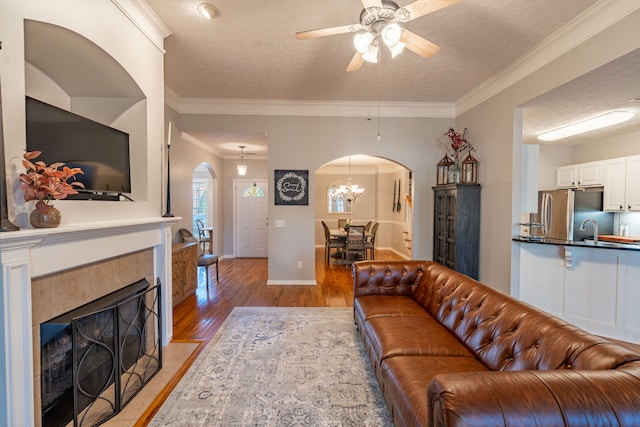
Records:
x=292, y=187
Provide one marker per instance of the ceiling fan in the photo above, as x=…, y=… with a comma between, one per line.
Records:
x=379, y=19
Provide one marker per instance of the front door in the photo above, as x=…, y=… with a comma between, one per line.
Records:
x=251, y=218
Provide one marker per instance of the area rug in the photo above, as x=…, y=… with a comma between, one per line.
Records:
x=273, y=366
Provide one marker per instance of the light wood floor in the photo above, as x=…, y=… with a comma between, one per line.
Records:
x=243, y=282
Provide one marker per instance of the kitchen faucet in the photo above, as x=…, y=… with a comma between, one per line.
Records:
x=595, y=228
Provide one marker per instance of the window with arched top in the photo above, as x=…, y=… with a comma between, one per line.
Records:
x=253, y=191
x=336, y=201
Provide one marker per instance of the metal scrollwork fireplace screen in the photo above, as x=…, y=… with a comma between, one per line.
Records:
x=94, y=361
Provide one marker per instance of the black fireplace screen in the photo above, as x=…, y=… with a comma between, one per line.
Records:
x=95, y=359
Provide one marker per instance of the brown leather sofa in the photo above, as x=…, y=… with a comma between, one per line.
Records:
x=450, y=351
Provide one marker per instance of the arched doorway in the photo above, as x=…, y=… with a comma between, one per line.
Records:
x=387, y=199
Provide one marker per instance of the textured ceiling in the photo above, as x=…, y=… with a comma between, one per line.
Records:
x=250, y=50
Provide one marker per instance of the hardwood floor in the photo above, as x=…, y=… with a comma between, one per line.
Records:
x=243, y=283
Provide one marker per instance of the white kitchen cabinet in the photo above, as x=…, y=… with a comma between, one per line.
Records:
x=581, y=175
x=566, y=176
x=632, y=190
x=622, y=184
x=615, y=173
x=590, y=174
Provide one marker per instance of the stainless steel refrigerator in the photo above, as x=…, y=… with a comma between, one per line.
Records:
x=561, y=212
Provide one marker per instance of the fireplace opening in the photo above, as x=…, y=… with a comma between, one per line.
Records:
x=96, y=358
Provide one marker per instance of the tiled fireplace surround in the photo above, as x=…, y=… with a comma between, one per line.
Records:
x=49, y=272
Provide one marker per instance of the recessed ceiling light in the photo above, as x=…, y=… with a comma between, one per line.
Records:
x=208, y=10
x=608, y=119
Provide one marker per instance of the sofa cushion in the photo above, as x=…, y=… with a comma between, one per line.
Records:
x=410, y=336
x=369, y=306
x=406, y=379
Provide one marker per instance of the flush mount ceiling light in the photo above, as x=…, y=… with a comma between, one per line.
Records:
x=208, y=10
x=242, y=167
x=380, y=20
x=598, y=122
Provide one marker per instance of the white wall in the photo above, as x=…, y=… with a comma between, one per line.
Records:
x=310, y=142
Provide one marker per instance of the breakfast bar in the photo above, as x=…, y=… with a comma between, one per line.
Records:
x=586, y=283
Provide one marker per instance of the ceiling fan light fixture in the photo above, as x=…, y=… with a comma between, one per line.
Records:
x=391, y=34
x=362, y=41
x=397, y=49
x=371, y=55
x=208, y=10
x=598, y=122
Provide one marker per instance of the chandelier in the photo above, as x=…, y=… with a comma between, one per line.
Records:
x=349, y=192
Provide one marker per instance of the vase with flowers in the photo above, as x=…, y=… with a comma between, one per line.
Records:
x=455, y=144
x=45, y=183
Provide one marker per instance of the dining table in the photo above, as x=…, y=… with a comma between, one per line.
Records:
x=341, y=234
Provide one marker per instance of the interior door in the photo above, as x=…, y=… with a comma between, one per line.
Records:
x=251, y=218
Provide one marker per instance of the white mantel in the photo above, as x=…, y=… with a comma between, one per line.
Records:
x=29, y=253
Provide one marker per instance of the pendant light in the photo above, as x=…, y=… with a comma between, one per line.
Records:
x=242, y=167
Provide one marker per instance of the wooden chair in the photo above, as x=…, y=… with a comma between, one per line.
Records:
x=342, y=223
x=204, y=259
x=203, y=236
x=370, y=241
x=330, y=243
x=354, y=245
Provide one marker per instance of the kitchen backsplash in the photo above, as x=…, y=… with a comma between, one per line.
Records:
x=631, y=219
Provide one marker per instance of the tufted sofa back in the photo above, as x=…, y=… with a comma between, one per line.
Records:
x=507, y=334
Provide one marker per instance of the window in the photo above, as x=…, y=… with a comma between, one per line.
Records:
x=200, y=194
x=336, y=203
x=253, y=191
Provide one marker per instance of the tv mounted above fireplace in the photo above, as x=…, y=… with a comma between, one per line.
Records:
x=101, y=151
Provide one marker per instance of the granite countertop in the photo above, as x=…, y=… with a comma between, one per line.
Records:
x=580, y=243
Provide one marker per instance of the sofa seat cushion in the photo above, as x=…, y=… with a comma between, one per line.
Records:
x=406, y=379
x=410, y=336
x=370, y=306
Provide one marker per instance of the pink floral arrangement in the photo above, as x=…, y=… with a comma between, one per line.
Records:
x=456, y=143
x=43, y=183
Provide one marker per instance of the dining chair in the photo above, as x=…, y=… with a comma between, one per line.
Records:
x=204, y=259
x=370, y=242
x=368, y=226
x=354, y=245
x=342, y=223
x=203, y=236
x=331, y=243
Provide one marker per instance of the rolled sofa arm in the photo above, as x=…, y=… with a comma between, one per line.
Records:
x=387, y=277
x=536, y=398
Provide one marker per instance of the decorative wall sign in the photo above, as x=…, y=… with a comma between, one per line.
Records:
x=292, y=187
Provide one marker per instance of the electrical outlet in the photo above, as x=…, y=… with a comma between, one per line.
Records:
x=299, y=264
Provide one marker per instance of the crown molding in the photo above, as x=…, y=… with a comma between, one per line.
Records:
x=146, y=19
x=195, y=141
x=278, y=107
x=592, y=21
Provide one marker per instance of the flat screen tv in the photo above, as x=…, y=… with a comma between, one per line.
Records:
x=101, y=151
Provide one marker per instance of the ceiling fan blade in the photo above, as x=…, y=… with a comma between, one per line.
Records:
x=356, y=62
x=423, y=7
x=419, y=45
x=371, y=3
x=311, y=34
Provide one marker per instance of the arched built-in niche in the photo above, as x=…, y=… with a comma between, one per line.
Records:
x=69, y=71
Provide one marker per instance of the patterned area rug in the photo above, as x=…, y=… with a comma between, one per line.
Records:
x=271, y=366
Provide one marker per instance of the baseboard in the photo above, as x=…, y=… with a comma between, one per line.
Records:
x=292, y=282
